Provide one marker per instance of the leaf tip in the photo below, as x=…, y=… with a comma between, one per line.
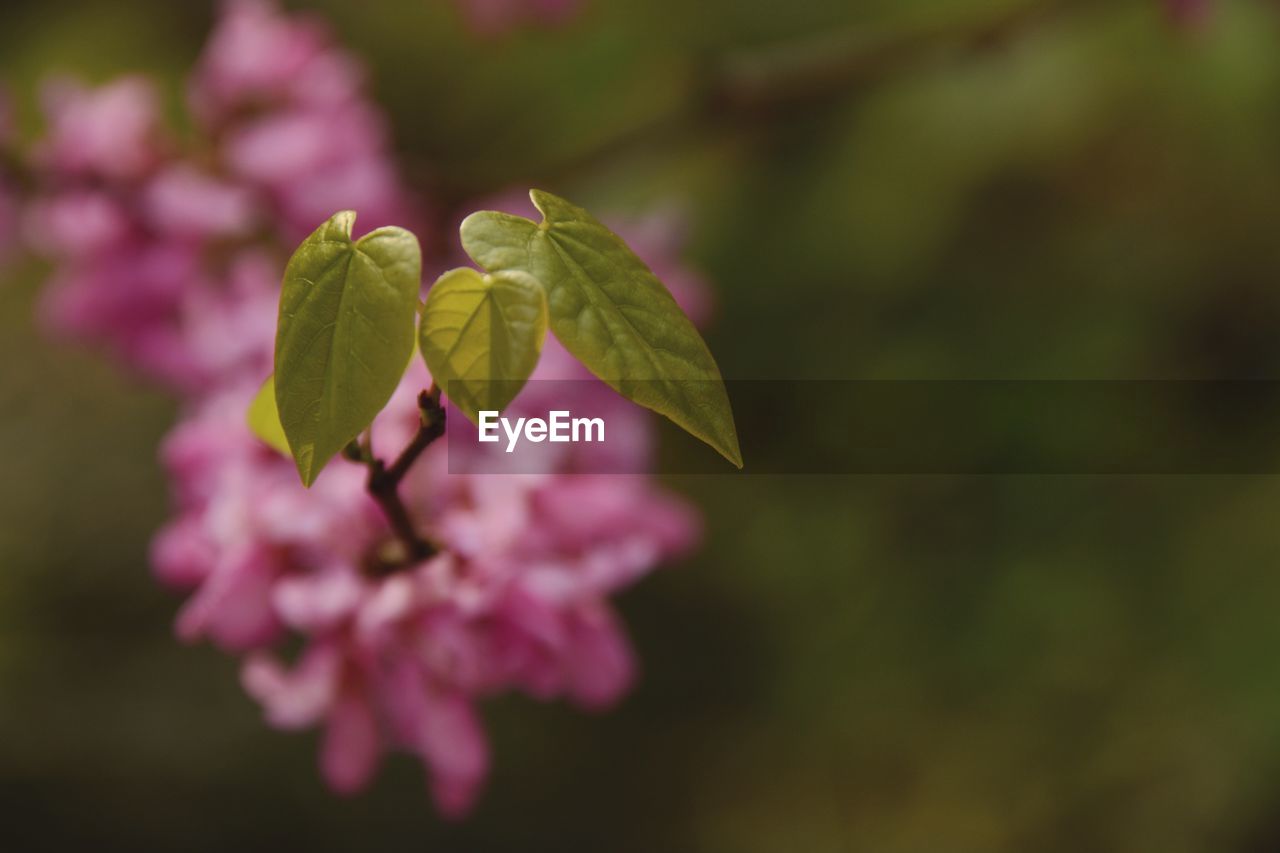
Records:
x=544, y=202
x=728, y=448
x=343, y=220
x=307, y=469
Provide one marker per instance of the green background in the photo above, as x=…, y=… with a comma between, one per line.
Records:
x=884, y=189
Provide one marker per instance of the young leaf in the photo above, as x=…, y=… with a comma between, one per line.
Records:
x=347, y=312
x=611, y=313
x=481, y=336
x=264, y=418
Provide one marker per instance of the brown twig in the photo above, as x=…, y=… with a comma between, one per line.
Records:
x=813, y=70
x=383, y=484
x=764, y=87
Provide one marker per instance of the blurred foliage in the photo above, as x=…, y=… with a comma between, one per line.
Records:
x=878, y=663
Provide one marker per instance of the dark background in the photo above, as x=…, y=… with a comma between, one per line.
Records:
x=879, y=190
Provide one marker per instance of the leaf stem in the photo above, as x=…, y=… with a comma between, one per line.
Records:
x=383, y=484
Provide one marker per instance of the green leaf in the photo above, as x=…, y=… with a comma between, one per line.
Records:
x=481, y=336
x=611, y=313
x=347, y=313
x=264, y=418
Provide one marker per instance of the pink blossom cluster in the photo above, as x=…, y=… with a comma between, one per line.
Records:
x=517, y=598
x=169, y=251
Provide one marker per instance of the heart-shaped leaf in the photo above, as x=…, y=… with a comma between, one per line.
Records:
x=347, y=312
x=611, y=313
x=264, y=418
x=481, y=336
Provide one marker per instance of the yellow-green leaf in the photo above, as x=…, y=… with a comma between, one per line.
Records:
x=264, y=418
x=346, y=330
x=611, y=313
x=481, y=336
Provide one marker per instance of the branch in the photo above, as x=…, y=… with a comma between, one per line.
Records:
x=764, y=87
x=383, y=484
x=814, y=70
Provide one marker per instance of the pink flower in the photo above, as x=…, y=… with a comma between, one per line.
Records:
x=77, y=223
x=126, y=297
x=170, y=258
x=229, y=332
x=259, y=59
x=311, y=163
x=172, y=266
x=289, y=108
x=517, y=600
x=184, y=202
x=112, y=132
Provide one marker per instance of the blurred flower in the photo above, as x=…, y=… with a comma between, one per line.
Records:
x=310, y=163
x=290, y=111
x=158, y=247
x=518, y=598
x=493, y=17
x=112, y=133
x=129, y=296
x=258, y=59
x=183, y=202
x=170, y=254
